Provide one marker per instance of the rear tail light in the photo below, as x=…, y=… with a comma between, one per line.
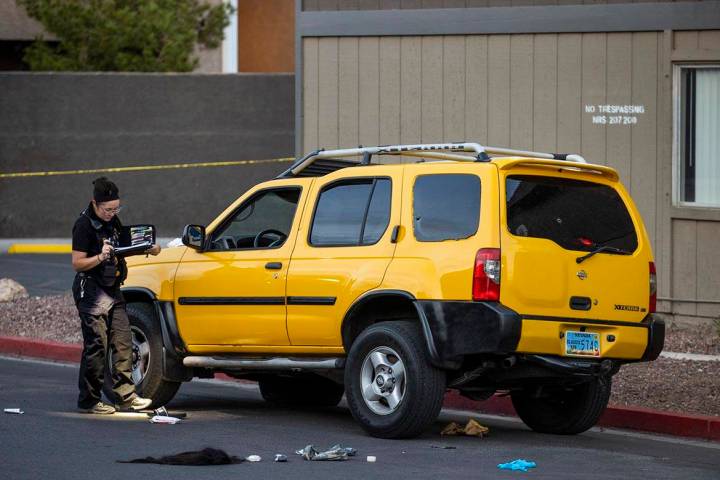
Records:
x=486, y=275
x=653, y=288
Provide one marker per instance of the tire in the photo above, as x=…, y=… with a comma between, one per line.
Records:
x=147, y=360
x=564, y=411
x=306, y=391
x=385, y=403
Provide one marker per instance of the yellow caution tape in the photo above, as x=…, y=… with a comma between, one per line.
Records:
x=145, y=168
x=40, y=248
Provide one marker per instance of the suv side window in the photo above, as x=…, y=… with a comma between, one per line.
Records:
x=353, y=212
x=446, y=207
x=264, y=221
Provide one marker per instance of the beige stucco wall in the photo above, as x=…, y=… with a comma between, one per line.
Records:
x=16, y=25
x=531, y=92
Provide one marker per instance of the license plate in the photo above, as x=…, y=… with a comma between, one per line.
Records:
x=584, y=344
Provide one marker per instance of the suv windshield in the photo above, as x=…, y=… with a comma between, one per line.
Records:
x=577, y=215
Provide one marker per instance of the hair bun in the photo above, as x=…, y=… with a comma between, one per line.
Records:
x=104, y=190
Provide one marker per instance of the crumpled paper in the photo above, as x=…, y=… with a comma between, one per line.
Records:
x=164, y=420
x=336, y=452
x=473, y=428
x=519, y=464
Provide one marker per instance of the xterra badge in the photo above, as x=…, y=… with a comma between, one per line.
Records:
x=627, y=308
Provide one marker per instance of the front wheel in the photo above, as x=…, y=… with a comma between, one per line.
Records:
x=563, y=410
x=391, y=387
x=147, y=362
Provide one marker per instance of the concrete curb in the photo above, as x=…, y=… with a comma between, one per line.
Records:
x=26, y=347
x=39, y=248
x=34, y=245
x=633, y=418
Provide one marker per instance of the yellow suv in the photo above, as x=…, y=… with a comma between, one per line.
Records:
x=524, y=272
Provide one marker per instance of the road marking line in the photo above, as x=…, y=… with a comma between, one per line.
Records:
x=145, y=168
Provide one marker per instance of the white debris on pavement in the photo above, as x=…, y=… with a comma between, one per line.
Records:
x=164, y=420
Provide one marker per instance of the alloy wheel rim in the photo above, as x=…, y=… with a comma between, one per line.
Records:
x=383, y=380
x=140, y=355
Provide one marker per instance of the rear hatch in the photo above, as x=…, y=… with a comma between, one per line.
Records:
x=551, y=223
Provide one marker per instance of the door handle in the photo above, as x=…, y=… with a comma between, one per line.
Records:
x=273, y=265
x=395, y=234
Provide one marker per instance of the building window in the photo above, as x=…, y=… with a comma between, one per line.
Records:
x=698, y=121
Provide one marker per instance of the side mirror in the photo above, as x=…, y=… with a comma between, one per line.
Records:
x=194, y=236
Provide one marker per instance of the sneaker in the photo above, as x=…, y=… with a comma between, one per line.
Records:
x=99, y=408
x=137, y=403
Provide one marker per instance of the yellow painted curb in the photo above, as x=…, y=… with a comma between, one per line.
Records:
x=40, y=248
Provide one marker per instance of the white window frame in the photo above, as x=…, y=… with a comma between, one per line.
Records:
x=230, y=42
x=677, y=173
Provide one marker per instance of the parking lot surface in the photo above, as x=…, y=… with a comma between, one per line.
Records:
x=51, y=440
x=41, y=275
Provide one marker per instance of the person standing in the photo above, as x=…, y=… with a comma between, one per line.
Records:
x=100, y=304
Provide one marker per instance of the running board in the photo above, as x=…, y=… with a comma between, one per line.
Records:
x=276, y=363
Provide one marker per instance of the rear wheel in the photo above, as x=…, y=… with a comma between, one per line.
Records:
x=563, y=410
x=306, y=390
x=392, y=389
x=147, y=354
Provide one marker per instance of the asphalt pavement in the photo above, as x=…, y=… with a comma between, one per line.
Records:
x=51, y=440
x=40, y=274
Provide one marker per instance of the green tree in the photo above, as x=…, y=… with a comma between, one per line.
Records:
x=124, y=35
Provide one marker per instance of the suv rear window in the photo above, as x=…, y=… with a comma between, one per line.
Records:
x=575, y=214
x=446, y=207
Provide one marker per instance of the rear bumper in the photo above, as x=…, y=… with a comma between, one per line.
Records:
x=455, y=329
x=656, y=337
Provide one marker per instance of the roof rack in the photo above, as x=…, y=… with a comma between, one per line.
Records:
x=321, y=162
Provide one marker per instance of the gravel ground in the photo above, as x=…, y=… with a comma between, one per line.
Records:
x=49, y=318
x=665, y=384
x=703, y=339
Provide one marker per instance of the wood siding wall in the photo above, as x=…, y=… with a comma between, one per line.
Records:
x=695, y=238
x=529, y=92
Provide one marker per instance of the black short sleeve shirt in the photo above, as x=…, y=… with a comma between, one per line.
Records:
x=85, y=237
